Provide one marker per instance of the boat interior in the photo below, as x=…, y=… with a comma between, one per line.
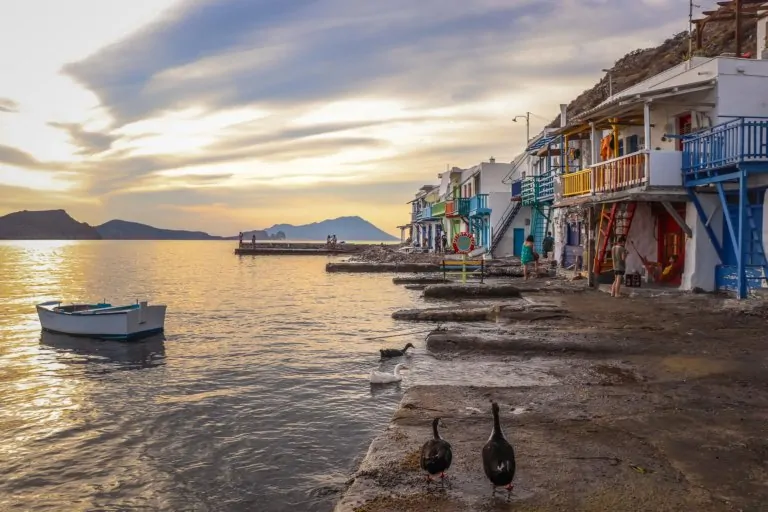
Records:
x=80, y=309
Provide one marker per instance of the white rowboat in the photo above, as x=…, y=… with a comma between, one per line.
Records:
x=102, y=320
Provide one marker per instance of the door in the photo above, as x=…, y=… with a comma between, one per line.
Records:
x=683, y=128
x=670, y=241
x=518, y=238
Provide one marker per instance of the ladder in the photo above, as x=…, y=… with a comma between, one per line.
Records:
x=506, y=221
x=615, y=221
x=756, y=248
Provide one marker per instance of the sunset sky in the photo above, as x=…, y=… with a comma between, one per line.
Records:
x=227, y=115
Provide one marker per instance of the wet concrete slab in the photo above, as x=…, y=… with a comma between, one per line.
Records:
x=640, y=403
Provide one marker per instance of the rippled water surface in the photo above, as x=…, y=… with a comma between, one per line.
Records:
x=255, y=398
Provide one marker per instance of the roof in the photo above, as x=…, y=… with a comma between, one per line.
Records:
x=540, y=143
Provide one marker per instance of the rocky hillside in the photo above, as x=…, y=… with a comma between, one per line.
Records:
x=44, y=225
x=638, y=65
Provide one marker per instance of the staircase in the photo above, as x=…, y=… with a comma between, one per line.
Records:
x=754, y=247
x=615, y=221
x=540, y=224
x=506, y=220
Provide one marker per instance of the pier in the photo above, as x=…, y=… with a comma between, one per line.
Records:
x=297, y=248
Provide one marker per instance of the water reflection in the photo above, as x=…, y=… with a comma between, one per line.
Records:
x=120, y=355
x=265, y=368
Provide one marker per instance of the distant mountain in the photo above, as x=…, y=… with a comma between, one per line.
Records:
x=44, y=225
x=125, y=230
x=345, y=228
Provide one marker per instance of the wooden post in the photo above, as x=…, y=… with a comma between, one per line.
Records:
x=463, y=268
x=589, y=247
x=444, y=274
x=482, y=271
x=737, y=8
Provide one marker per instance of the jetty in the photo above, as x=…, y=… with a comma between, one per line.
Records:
x=297, y=248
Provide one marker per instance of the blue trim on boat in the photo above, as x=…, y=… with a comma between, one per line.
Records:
x=115, y=337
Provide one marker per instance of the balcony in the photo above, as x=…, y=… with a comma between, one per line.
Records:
x=458, y=207
x=425, y=213
x=537, y=189
x=517, y=188
x=726, y=145
x=639, y=169
x=577, y=183
x=478, y=205
x=438, y=209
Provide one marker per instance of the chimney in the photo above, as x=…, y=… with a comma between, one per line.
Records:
x=492, y=160
x=563, y=114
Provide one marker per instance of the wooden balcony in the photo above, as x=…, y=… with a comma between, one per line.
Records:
x=478, y=205
x=621, y=173
x=536, y=189
x=639, y=169
x=438, y=209
x=577, y=183
x=458, y=207
x=725, y=146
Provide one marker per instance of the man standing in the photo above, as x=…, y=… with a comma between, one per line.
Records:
x=619, y=257
x=445, y=242
x=548, y=245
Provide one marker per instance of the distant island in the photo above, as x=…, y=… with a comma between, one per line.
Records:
x=345, y=228
x=45, y=225
x=59, y=225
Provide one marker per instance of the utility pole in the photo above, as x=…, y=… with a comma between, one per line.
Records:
x=527, y=118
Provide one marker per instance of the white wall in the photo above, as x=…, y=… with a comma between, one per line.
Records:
x=641, y=238
x=762, y=34
x=491, y=176
x=498, y=203
x=700, y=255
x=741, y=88
x=506, y=245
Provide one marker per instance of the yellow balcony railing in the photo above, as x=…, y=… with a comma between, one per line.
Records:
x=577, y=183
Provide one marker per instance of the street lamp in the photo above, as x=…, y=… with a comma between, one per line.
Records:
x=610, y=82
x=527, y=118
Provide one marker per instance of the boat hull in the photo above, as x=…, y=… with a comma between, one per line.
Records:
x=127, y=324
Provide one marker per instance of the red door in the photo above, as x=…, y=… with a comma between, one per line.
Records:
x=684, y=127
x=670, y=241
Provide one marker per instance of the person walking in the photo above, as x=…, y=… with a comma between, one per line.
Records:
x=548, y=245
x=528, y=256
x=619, y=257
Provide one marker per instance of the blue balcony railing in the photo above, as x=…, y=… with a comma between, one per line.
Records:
x=725, y=145
x=478, y=205
x=425, y=213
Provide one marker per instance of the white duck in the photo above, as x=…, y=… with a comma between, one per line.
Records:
x=385, y=378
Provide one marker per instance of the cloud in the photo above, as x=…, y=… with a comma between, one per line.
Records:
x=89, y=143
x=8, y=105
x=218, y=112
x=271, y=52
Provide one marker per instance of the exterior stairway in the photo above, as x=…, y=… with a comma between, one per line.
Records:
x=503, y=225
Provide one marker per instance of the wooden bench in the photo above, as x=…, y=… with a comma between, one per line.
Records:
x=474, y=267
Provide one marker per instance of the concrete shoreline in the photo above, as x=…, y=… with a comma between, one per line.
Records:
x=627, y=404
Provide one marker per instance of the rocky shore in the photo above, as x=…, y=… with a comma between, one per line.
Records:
x=643, y=403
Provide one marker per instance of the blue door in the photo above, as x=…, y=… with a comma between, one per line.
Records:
x=518, y=238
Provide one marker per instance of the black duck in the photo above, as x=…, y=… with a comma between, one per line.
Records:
x=436, y=454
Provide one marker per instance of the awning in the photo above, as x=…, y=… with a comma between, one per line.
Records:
x=544, y=141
